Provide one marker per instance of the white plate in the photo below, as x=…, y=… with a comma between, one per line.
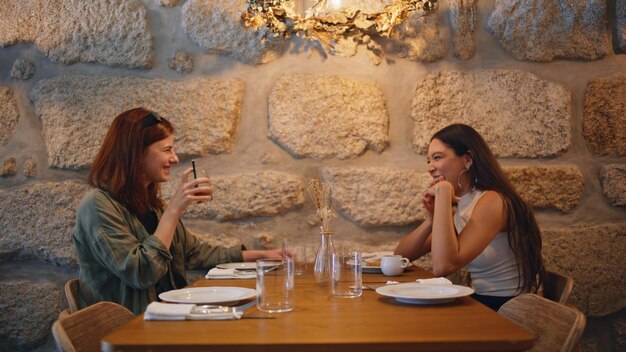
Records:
x=416, y=293
x=240, y=266
x=208, y=295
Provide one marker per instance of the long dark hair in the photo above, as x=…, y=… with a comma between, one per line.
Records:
x=117, y=167
x=486, y=174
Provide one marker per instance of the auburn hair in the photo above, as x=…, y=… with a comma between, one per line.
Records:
x=117, y=167
x=486, y=174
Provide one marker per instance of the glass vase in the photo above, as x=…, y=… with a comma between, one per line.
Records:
x=322, y=268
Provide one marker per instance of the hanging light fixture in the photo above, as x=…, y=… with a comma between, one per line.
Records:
x=329, y=22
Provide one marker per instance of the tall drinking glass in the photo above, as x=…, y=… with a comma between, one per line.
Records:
x=347, y=279
x=297, y=251
x=275, y=285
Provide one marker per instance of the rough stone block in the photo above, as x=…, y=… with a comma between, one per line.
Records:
x=268, y=159
x=76, y=112
x=181, y=62
x=613, y=178
x=594, y=257
x=313, y=220
x=376, y=197
x=28, y=310
x=266, y=193
x=167, y=3
x=324, y=116
x=604, y=115
x=216, y=27
x=548, y=30
x=8, y=167
x=22, y=69
x=218, y=240
x=9, y=114
x=264, y=240
x=30, y=168
x=114, y=33
x=419, y=39
x=559, y=187
x=463, y=16
x=38, y=221
x=620, y=25
x=516, y=112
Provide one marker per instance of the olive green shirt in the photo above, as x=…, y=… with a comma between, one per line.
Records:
x=121, y=262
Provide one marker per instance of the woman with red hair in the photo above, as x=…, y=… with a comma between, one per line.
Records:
x=132, y=246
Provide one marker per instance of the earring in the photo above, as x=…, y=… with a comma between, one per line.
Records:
x=458, y=181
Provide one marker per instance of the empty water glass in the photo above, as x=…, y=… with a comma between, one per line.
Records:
x=298, y=252
x=275, y=285
x=347, y=279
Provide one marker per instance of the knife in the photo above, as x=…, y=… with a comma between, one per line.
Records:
x=257, y=316
x=243, y=307
x=226, y=316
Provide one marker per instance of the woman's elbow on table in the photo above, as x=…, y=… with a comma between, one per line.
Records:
x=444, y=269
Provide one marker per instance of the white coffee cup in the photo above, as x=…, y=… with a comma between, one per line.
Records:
x=393, y=265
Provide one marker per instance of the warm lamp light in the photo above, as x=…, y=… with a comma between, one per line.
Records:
x=330, y=21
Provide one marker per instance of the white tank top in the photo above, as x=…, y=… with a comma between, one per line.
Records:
x=493, y=272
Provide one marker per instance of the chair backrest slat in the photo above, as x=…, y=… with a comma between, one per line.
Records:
x=558, y=327
x=558, y=287
x=71, y=294
x=83, y=330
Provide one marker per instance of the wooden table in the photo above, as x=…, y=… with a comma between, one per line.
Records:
x=321, y=322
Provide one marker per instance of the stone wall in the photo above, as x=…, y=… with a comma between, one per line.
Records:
x=547, y=91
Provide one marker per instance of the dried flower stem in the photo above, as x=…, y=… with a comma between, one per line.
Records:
x=321, y=194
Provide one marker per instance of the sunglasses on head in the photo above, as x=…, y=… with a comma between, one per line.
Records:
x=150, y=120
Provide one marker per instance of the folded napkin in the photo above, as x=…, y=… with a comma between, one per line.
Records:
x=435, y=281
x=217, y=273
x=173, y=311
x=167, y=311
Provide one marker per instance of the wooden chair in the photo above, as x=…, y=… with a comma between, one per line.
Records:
x=558, y=327
x=557, y=287
x=71, y=294
x=83, y=330
x=64, y=314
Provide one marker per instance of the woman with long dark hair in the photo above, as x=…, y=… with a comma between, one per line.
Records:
x=476, y=220
x=132, y=246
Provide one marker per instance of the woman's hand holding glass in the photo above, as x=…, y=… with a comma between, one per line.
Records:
x=189, y=191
